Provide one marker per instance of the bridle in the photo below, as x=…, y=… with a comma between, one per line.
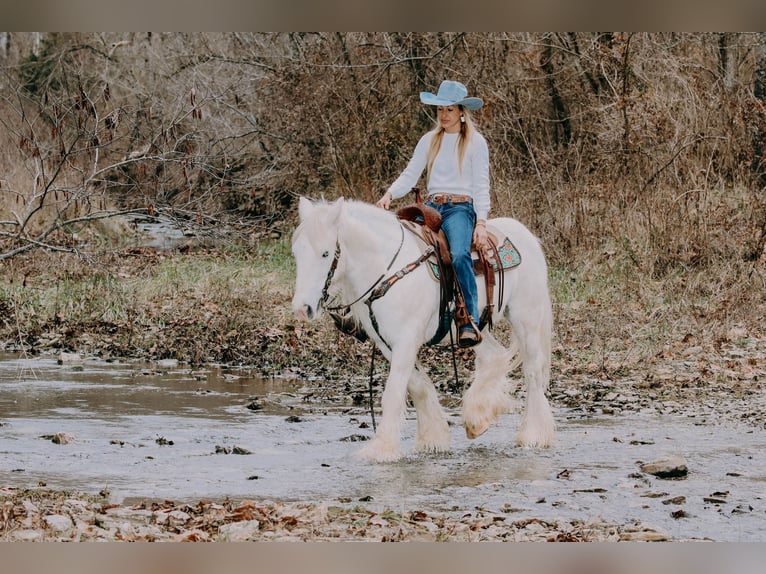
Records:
x=331, y=273
x=377, y=290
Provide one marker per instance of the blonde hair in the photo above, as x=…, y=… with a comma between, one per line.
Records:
x=467, y=129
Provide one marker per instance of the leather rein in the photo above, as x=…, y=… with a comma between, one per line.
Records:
x=379, y=287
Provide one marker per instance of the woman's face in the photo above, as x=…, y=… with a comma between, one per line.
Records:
x=449, y=118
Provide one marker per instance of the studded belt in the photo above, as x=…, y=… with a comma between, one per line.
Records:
x=449, y=198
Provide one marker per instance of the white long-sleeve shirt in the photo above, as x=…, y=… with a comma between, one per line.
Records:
x=446, y=176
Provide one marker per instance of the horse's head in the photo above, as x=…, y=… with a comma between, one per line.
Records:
x=314, y=244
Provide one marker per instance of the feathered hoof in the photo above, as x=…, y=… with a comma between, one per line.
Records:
x=537, y=432
x=377, y=451
x=434, y=446
x=481, y=411
x=525, y=440
x=474, y=430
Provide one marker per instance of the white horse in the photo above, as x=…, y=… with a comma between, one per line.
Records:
x=345, y=248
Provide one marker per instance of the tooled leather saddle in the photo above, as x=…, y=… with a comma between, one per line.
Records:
x=430, y=221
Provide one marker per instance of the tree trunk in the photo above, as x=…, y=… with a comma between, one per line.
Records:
x=559, y=106
x=759, y=133
x=759, y=91
x=729, y=59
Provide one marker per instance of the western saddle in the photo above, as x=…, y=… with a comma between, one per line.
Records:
x=450, y=290
x=430, y=221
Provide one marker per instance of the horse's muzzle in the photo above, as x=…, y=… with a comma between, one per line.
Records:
x=304, y=312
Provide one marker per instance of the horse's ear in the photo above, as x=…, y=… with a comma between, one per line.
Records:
x=338, y=209
x=304, y=207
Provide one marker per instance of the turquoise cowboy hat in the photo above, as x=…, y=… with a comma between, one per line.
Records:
x=451, y=94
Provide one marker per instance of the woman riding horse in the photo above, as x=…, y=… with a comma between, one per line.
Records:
x=456, y=159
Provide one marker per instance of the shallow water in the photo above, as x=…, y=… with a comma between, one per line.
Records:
x=152, y=432
x=159, y=232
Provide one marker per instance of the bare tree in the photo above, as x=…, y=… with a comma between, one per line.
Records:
x=94, y=137
x=729, y=59
x=759, y=136
x=558, y=105
x=759, y=91
x=595, y=137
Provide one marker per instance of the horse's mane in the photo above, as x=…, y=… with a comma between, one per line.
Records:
x=357, y=210
x=367, y=211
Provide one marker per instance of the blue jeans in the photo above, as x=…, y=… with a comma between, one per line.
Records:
x=458, y=221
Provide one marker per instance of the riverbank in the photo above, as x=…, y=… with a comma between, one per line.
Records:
x=688, y=336
x=43, y=515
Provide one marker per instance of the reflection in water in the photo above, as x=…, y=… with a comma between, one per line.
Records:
x=39, y=387
x=147, y=432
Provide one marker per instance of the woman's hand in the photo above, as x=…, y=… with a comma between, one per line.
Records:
x=385, y=201
x=480, y=235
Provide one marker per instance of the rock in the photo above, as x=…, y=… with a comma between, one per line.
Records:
x=91, y=532
x=69, y=358
x=121, y=518
x=239, y=531
x=62, y=438
x=231, y=450
x=178, y=518
x=58, y=522
x=30, y=507
x=195, y=535
x=167, y=363
x=161, y=518
x=27, y=535
x=669, y=467
x=654, y=494
x=645, y=535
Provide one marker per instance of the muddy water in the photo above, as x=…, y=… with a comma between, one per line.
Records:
x=167, y=432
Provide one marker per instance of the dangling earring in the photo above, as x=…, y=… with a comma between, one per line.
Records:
x=462, y=119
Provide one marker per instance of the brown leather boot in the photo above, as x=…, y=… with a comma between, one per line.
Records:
x=468, y=338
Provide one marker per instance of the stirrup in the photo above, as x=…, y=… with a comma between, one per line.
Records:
x=468, y=338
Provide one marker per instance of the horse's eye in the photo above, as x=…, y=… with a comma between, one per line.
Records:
x=325, y=254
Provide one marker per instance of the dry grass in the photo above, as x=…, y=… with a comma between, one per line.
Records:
x=233, y=305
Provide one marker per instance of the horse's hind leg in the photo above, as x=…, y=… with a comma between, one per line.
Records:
x=488, y=396
x=433, y=430
x=537, y=424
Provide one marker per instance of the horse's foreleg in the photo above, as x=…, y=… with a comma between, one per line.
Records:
x=385, y=446
x=433, y=430
x=488, y=396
